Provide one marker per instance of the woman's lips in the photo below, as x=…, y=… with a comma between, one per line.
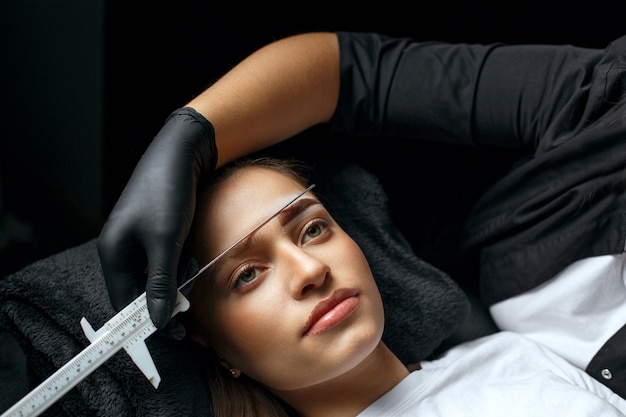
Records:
x=331, y=311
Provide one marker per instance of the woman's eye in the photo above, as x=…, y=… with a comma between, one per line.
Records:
x=314, y=230
x=246, y=276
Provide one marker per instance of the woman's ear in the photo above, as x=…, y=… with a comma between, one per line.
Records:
x=234, y=372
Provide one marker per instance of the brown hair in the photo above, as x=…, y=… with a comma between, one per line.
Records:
x=292, y=168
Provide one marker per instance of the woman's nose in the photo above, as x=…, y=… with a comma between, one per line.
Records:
x=307, y=272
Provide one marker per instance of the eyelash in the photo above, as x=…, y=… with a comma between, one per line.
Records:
x=237, y=277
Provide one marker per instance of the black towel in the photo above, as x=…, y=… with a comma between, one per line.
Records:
x=43, y=303
x=42, y=306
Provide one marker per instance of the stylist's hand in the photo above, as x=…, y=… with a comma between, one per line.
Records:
x=151, y=219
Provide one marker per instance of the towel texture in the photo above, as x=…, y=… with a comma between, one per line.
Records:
x=42, y=304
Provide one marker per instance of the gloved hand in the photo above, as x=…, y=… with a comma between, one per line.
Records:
x=151, y=220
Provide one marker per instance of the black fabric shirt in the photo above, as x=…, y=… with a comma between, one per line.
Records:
x=562, y=104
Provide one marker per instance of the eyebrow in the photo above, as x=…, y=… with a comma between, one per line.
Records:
x=295, y=209
x=285, y=217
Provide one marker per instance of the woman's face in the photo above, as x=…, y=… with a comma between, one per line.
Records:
x=295, y=304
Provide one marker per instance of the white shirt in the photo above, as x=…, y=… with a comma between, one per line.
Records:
x=574, y=313
x=503, y=374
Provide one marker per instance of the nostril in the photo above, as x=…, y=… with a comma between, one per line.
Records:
x=307, y=288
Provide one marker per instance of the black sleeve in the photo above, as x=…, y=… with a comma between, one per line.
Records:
x=503, y=95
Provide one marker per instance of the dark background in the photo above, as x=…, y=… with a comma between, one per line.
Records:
x=86, y=84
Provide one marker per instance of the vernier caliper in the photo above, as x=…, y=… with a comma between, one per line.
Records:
x=128, y=329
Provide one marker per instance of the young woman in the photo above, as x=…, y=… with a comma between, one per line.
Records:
x=292, y=315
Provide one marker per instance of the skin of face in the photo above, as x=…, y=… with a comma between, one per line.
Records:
x=256, y=304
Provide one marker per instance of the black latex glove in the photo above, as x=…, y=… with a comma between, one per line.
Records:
x=152, y=217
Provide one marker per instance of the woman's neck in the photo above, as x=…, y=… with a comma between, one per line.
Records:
x=352, y=392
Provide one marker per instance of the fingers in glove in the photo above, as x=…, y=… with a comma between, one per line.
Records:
x=123, y=268
x=162, y=284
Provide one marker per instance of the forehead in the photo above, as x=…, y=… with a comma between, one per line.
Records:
x=242, y=201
